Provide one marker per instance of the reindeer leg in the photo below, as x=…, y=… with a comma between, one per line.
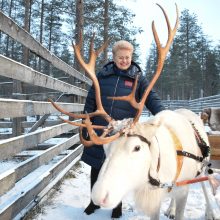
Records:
x=208, y=212
x=117, y=211
x=181, y=203
x=155, y=216
x=170, y=213
x=93, y=177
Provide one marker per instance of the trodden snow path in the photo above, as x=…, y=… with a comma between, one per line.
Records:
x=69, y=202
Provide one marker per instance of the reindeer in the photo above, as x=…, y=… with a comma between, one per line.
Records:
x=211, y=117
x=151, y=158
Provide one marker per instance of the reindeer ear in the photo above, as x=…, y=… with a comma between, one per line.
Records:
x=155, y=121
x=205, y=115
x=148, y=129
x=207, y=111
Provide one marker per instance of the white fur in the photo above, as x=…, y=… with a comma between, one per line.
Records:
x=127, y=169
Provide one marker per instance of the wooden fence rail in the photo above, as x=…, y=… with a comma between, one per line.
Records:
x=18, y=71
x=8, y=26
x=196, y=105
x=11, y=108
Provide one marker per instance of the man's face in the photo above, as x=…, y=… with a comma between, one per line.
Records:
x=123, y=59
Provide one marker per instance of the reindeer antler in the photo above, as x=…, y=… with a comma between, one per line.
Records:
x=90, y=69
x=162, y=52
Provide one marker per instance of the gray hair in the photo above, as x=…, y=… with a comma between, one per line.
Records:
x=122, y=44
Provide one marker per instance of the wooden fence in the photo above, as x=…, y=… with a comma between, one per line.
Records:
x=196, y=105
x=40, y=139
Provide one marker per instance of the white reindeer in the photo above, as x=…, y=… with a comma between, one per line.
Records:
x=150, y=150
x=143, y=157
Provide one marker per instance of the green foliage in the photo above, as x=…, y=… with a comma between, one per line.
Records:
x=192, y=67
x=53, y=24
x=120, y=25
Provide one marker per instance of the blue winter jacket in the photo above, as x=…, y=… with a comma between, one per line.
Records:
x=116, y=82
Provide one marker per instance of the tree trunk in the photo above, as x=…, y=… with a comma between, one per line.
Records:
x=7, y=39
x=106, y=27
x=27, y=28
x=78, y=29
x=2, y=6
x=41, y=30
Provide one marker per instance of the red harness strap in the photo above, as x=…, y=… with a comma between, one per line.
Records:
x=195, y=180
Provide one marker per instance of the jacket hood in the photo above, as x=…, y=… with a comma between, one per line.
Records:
x=110, y=69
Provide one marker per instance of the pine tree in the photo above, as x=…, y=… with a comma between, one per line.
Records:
x=211, y=83
x=107, y=20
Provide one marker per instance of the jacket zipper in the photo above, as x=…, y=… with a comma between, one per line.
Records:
x=103, y=159
x=114, y=95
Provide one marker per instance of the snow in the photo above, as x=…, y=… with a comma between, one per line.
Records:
x=73, y=196
x=16, y=161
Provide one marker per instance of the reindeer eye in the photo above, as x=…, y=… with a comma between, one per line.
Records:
x=137, y=148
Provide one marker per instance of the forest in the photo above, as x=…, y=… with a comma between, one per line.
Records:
x=191, y=70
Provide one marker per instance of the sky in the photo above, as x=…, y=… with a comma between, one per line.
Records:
x=146, y=11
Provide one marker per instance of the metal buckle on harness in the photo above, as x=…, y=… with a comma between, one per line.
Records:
x=166, y=185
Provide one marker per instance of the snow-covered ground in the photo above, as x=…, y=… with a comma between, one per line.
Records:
x=69, y=202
